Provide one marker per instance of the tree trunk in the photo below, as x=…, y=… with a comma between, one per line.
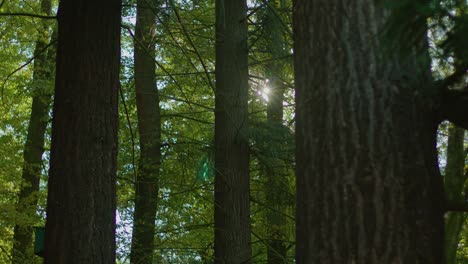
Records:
x=81, y=202
x=232, y=209
x=276, y=171
x=34, y=148
x=454, y=180
x=368, y=185
x=149, y=127
x=276, y=189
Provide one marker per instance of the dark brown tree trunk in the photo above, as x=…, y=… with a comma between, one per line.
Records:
x=232, y=219
x=81, y=202
x=34, y=148
x=149, y=127
x=368, y=185
x=454, y=180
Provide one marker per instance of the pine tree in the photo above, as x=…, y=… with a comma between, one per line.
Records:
x=149, y=128
x=232, y=222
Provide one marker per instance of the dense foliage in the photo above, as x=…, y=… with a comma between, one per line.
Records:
x=185, y=55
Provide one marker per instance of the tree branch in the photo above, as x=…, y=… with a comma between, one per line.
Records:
x=187, y=35
x=6, y=253
x=52, y=42
x=132, y=137
x=456, y=206
x=275, y=12
x=455, y=79
x=158, y=64
x=454, y=107
x=28, y=15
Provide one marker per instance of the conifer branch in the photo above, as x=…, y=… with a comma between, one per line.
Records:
x=157, y=63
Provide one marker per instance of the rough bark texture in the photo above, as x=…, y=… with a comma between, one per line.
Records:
x=81, y=199
x=149, y=127
x=454, y=180
x=232, y=223
x=368, y=185
x=34, y=148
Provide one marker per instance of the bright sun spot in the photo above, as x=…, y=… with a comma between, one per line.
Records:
x=265, y=93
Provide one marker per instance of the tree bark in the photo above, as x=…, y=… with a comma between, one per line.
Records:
x=149, y=127
x=22, y=251
x=81, y=202
x=368, y=185
x=454, y=180
x=232, y=209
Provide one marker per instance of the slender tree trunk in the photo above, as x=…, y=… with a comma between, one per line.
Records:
x=454, y=180
x=149, y=127
x=455, y=177
x=232, y=209
x=276, y=172
x=34, y=147
x=368, y=185
x=81, y=202
x=276, y=168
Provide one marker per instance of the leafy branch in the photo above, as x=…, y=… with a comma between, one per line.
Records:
x=25, y=65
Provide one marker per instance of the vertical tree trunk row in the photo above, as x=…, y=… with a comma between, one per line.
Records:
x=149, y=128
x=232, y=223
x=34, y=147
x=81, y=203
x=368, y=185
x=454, y=180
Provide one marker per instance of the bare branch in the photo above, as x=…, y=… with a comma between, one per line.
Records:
x=456, y=206
x=6, y=253
x=132, y=137
x=28, y=15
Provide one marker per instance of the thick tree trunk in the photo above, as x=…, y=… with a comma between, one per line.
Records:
x=232, y=219
x=454, y=180
x=368, y=185
x=34, y=148
x=81, y=200
x=149, y=127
